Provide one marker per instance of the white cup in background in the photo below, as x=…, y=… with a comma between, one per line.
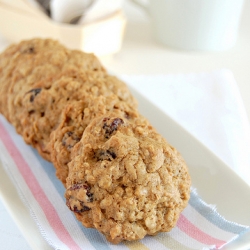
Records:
x=210, y=25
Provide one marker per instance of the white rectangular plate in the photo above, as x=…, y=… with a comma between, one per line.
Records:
x=215, y=182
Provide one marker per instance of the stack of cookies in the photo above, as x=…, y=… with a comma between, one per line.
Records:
x=121, y=176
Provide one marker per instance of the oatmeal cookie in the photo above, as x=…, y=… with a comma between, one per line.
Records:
x=125, y=180
x=40, y=77
x=74, y=119
x=29, y=62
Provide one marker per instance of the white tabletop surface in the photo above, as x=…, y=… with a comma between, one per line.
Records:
x=141, y=54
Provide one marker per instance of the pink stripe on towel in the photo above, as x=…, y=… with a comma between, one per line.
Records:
x=48, y=209
x=190, y=229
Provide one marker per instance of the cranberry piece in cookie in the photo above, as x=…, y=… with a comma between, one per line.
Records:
x=111, y=125
x=102, y=155
x=78, y=196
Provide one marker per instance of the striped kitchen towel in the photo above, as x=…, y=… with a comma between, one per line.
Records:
x=199, y=226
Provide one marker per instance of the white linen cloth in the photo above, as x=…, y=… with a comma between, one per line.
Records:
x=208, y=105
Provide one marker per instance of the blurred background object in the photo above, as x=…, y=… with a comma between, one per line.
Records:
x=70, y=11
x=83, y=11
x=45, y=4
x=195, y=24
x=100, y=28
